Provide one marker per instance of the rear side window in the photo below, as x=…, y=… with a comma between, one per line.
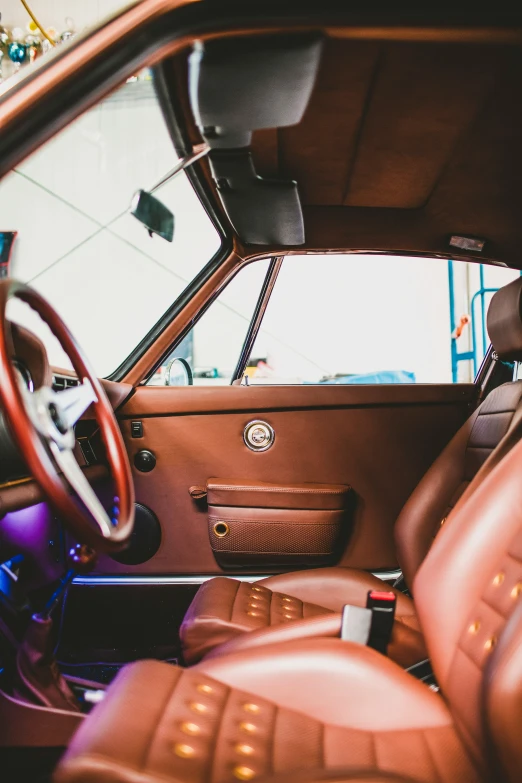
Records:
x=357, y=319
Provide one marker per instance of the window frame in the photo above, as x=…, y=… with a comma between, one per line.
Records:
x=254, y=323
x=485, y=375
x=269, y=282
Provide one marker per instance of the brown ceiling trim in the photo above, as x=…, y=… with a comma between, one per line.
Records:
x=494, y=35
x=363, y=122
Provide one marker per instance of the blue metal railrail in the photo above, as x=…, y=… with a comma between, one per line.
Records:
x=456, y=355
x=479, y=296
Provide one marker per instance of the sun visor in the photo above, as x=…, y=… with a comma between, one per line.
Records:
x=237, y=86
x=262, y=211
x=240, y=85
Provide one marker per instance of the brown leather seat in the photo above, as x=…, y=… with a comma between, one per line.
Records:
x=306, y=604
x=319, y=706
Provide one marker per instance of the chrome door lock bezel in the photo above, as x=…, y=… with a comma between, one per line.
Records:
x=258, y=435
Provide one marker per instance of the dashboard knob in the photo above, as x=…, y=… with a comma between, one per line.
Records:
x=145, y=461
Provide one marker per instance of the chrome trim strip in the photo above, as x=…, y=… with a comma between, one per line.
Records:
x=109, y=581
x=267, y=430
x=157, y=580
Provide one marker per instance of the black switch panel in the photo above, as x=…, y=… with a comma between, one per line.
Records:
x=137, y=429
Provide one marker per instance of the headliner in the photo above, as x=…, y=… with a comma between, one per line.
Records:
x=404, y=144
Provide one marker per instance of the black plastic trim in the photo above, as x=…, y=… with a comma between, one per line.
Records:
x=257, y=317
x=201, y=312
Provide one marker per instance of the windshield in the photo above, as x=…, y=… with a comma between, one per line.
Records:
x=77, y=242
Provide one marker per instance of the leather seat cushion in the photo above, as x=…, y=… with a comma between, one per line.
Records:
x=318, y=705
x=296, y=605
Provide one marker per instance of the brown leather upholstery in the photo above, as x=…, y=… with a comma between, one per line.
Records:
x=335, y=776
x=224, y=608
x=474, y=627
x=328, y=704
x=239, y=492
x=505, y=321
x=452, y=473
x=301, y=709
x=290, y=606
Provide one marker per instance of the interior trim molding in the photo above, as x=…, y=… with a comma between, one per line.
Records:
x=195, y=579
x=191, y=579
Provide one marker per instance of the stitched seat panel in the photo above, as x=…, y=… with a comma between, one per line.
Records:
x=208, y=732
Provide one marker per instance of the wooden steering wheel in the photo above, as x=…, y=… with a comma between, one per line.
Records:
x=42, y=424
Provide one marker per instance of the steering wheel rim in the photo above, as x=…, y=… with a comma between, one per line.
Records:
x=42, y=426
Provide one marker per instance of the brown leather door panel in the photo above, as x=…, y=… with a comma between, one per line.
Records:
x=378, y=439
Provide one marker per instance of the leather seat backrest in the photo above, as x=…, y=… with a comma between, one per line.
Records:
x=469, y=600
x=451, y=474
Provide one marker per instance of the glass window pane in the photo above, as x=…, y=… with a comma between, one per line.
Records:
x=213, y=346
x=372, y=319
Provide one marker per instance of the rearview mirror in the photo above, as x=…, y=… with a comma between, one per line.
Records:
x=154, y=215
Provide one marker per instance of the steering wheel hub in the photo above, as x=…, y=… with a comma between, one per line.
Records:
x=57, y=420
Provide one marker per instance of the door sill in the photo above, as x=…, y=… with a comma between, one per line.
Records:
x=191, y=579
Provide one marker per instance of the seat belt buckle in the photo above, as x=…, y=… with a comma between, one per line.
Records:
x=382, y=604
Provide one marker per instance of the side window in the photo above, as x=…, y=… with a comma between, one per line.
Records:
x=374, y=319
x=209, y=353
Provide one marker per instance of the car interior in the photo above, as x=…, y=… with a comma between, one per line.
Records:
x=264, y=579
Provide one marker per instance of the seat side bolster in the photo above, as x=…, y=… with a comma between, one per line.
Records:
x=334, y=587
x=406, y=646
x=502, y=687
x=209, y=620
x=424, y=510
x=102, y=769
x=134, y=705
x=320, y=626
x=338, y=683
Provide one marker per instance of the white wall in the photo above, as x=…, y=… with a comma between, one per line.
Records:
x=55, y=13
x=77, y=243
x=350, y=314
x=358, y=314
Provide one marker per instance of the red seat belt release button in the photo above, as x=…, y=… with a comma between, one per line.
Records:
x=382, y=604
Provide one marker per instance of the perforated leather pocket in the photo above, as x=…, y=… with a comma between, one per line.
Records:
x=264, y=535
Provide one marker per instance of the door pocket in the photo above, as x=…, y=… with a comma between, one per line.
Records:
x=256, y=524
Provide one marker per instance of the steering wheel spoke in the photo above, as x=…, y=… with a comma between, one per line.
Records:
x=66, y=461
x=74, y=402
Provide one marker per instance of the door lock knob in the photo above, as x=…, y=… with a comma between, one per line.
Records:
x=145, y=461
